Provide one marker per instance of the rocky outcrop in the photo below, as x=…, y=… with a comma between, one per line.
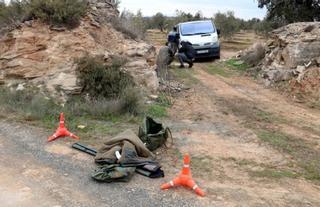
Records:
x=253, y=55
x=293, y=54
x=39, y=54
x=293, y=45
x=103, y=10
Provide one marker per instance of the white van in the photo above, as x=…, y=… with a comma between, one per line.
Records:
x=203, y=36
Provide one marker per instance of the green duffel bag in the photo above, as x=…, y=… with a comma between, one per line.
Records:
x=153, y=134
x=113, y=173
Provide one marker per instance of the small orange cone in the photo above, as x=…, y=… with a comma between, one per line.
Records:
x=62, y=131
x=184, y=179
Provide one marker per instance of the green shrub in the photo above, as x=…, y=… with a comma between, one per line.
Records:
x=58, y=12
x=227, y=23
x=108, y=82
x=265, y=26
x=157, y=110
x=11, y=15
x=30, y=103
x=100, y=80
x=130, y=100
x=54, y=12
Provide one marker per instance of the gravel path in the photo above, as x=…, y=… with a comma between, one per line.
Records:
x=35, y=173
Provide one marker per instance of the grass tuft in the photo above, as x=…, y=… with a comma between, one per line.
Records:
x=237, y=64
x=302, y=151
x=157, y=111
x=273, y=173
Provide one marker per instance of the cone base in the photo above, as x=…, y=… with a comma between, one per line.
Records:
x=184, y=180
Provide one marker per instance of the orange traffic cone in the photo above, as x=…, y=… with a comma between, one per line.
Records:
x=62, y=131
x=184, y=179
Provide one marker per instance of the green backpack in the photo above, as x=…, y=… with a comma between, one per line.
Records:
x=153, y=134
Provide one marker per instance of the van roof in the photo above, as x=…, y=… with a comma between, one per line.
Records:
x=192, y=22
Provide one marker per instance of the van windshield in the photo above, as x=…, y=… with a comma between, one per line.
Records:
x=197, y=28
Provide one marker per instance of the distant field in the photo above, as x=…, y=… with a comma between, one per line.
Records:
x=241, y=41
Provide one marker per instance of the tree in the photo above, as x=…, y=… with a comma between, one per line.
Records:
x=159, y=20
x=198, y=16
x=133, y=25
x=289, y=11
x=227, y=23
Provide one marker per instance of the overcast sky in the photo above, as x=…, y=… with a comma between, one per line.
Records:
x=245, y=9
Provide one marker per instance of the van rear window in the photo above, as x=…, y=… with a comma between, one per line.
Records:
x=196, y=28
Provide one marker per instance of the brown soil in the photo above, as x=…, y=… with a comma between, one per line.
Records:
x=215, y=122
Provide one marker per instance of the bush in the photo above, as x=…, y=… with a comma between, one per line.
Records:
x=11, y=15
x=58, y=12
x=265, y=26
x=29, y=102
x=54, y=12
x=100, y=80
x=228, y=24
x=108, y=82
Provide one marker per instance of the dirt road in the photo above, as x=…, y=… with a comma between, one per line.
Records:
x=34, y=173
x=250, y=145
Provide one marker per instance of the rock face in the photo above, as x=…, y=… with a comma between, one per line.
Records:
x=294, y=45
x=46, y=56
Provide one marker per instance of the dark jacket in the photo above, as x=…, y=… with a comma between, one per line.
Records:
x=186, y=48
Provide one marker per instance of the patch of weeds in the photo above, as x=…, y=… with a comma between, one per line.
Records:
x=278, y=140
x=302, y=151
x=273, y=173
x=185, y=74
x=219, y=69
x=32, y=106
x=266, y=171
x=264, y=116
x=159, y=108
x=313, y=129
x=157, y=111
x=237, y=64
x=202, y=165
x=164, y=100
x=254, y=117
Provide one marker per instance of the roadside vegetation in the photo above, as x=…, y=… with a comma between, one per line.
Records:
x=227, y=68
x=54, y=12
x=109, y=98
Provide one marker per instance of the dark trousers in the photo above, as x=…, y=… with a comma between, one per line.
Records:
x=183, y=58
